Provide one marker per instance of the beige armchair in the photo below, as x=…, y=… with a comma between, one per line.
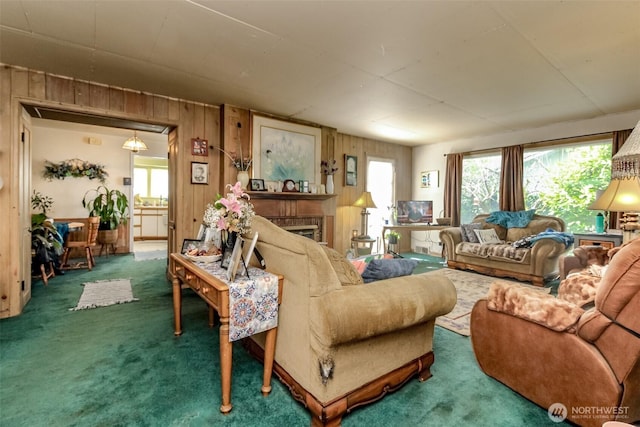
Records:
x=552, y=351
x=342, y=343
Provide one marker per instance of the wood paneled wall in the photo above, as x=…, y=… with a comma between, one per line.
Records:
x=19, y=86
x=347, y=216
x=219, y=125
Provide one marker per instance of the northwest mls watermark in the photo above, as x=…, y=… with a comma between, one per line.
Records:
x=558, y=412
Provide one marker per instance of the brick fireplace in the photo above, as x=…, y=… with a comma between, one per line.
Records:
x=312, y=215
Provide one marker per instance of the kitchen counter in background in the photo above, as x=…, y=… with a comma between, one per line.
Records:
x=150, y=222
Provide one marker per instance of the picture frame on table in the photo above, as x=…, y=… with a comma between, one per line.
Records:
x=235, y=260
x=199, y=147
x=199, y=173
x=350, y=170
x=189, y=244
x=284, y=150
x=257, y=185
x=248, y=253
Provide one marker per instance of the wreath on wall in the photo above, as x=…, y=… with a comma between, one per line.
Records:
x=74, y=168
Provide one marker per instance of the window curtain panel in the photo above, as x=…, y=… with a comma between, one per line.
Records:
x=618, y=140
x=453, y=188
x=511, y=191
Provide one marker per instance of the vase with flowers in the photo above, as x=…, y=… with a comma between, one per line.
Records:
x=231, y=215
x=241, y=163
x=329, y=167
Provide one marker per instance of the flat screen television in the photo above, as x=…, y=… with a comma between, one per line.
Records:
x=415, y=211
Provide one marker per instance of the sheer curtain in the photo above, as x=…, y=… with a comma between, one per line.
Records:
x=511, y=183
x=453, y=188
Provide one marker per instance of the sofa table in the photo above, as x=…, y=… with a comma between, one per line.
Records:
x=605, y=240
x=410, y=227
x=214, y=290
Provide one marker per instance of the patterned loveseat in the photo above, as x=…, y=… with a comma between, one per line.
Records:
x=523, y=261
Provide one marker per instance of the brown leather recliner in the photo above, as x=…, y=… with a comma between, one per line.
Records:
x=592, y=366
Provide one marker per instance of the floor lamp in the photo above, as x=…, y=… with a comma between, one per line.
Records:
x=365, y=202
x=623, y=192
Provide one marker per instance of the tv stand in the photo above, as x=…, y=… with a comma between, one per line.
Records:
x=410, y=227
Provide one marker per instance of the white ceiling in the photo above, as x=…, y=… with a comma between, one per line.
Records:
x=412, y=72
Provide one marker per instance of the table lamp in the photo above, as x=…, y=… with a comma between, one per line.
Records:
x=623, y=192
x=364, y=201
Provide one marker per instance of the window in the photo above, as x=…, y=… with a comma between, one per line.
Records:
x=480, y=185
x=562, y=180
x=151, y=182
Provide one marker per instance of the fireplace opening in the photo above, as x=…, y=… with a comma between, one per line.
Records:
x=310, y=231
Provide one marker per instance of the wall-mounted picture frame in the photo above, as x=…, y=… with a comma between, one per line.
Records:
x=199, y=173
x=284, y=150
x=350, y=170
x=199, y=147
x=429, y=179
x=257, y=184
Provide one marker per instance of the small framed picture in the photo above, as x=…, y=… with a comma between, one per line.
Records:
x=235, y=260
x=350, y=170
x=248, y=253
x=189, y=244
x=429, y=179
x=199, y=147
x=257, y=185
x=199, y=173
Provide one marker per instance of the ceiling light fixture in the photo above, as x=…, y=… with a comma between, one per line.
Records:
x=134, y=144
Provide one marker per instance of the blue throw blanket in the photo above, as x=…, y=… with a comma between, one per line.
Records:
x=558, y=236
x=508, y=219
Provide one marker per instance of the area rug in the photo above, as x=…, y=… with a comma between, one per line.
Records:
x=103, y=293
x=470, y=288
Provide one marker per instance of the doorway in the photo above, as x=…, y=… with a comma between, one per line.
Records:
x=381, y=176
x=58, y=140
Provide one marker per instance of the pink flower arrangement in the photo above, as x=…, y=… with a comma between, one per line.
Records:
x=233, y=213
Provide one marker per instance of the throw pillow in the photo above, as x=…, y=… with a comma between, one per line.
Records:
x=346, y=272
x=379, y=269
x=487, y=236
x=467, y=232
x=509, y=219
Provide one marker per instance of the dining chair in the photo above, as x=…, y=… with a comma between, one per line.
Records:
x=93, y=222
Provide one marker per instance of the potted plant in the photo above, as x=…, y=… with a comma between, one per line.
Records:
x=111, y=206
x=393, y=237
x=46, y=242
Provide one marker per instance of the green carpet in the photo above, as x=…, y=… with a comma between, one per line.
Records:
x=121, y=366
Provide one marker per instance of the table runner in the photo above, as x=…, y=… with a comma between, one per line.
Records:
x=253, y=301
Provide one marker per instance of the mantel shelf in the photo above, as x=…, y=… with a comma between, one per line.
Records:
x=288, y=196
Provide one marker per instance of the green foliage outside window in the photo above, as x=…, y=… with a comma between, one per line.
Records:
x=562, y=182
x=559, y=181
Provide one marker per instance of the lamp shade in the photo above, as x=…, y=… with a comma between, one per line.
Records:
x=134, y=144
x=626, y=162
x=622, y=195
x=365, y=201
